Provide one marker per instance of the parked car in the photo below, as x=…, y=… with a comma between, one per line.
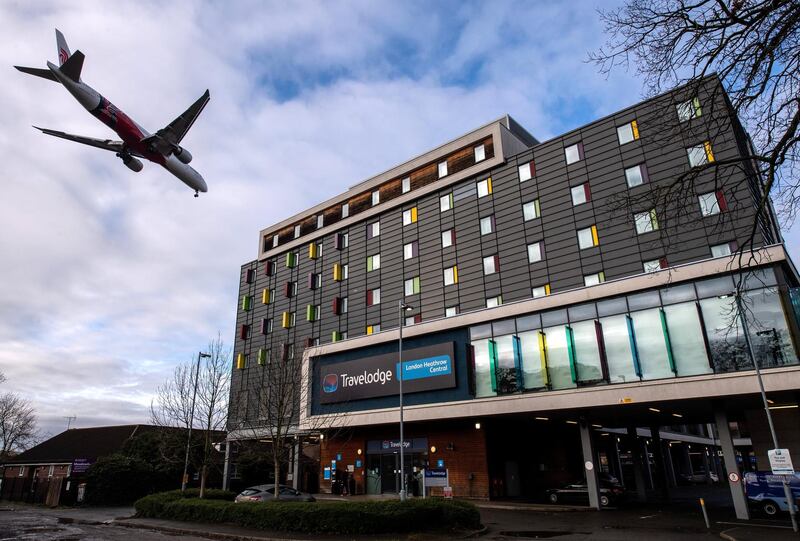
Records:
x=699, y=478
x=264, y=493
x=611, y=492
x=765, y=491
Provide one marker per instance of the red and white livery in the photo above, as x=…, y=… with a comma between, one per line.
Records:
x=162, y=148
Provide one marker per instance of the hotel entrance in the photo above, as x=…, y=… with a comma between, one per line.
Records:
x=383, y=465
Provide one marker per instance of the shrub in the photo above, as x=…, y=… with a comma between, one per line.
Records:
x=153, y=505
x=117, y=480
x=317, y=518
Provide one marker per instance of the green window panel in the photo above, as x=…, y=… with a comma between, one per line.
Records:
x=493, y=364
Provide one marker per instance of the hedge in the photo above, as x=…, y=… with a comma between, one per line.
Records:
x=371, y=517
x=153, y=505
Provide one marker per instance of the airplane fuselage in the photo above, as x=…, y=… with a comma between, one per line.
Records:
x=128, y=130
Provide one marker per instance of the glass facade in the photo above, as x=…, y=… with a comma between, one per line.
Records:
x=681, y=330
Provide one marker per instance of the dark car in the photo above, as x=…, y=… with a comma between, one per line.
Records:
x=765, y=491
x=264, y=493
x=611, y=492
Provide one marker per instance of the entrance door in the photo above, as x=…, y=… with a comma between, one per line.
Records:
x=390, y=472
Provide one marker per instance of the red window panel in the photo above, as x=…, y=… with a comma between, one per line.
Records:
x=662, y=263
x=721, y=201
x=309, y=342
x=312, y=280
x=533, y=168
x=338, y=241
x=337, y=305
x=244, y=332
x=287, y=289
x=369, y=297
x=269, y=268
x=264, y=326
x=249, y=276
x=587, y=192
x=643, y=171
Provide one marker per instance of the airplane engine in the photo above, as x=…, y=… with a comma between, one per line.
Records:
x=183, y=155
x=134, y=164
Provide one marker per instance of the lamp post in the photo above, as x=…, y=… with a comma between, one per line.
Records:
x=786, y=490
x=401, y=309
x=200, y=355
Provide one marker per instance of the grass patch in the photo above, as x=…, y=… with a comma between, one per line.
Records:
x=371, y=517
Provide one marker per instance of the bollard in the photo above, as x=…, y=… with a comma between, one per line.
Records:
x=705, y=513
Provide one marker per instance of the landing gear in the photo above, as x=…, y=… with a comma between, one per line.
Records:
x=196, y=194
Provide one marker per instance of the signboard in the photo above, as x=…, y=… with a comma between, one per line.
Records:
x=80, y=465
x=338, y=456
x=418, y=445
x=358, y=463
x=780, y=461
x=424, y=369
x=326, y=473
x=733, y=477
x=435, y=477
x=448, y=492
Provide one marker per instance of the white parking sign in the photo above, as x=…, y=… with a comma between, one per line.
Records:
x=780, y=461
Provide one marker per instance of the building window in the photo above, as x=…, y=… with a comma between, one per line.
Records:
x=712, y=203
x=291, y=260
x=247, y=302
x=296, y=231
x=531, y=210
x=655, y=264
x=290, y=289
x=493, y=302
x=373, y=230
x=341, y=241
x=320, y=221
x=287, y=320
x=373, y=296
x=267, y=296
x=345, y=210
x=627, y=133
x=413, y=320
x=645, y=221
x=244, y=332
x=50, y=471
x=636, y=175
x=443, y=169
x=574, y=153
x=249, y=276
x=269, y=268
x=339, y=306
x=312, y=312
x=314, y=280
x=337, y=272
x=376, y=197
x=448, y=238
x=446, y=202
x=451, y=276
x=451, y=311
x=541, y=291
x=275, y=239
x=21, y=471
x=480, y=153
x=345, y=271
x=491, y=264
x=405, y=185
x=594, y=279
x=336, y=336
x=689, y=110
x=526, y=171
x=372, y=329
x=487, y=225
x=314, y=250
x=484, y=187
x=373, y=262
x=410, y=216
x=587, y=238
x=410, y=250
x=534, y=252
x=581, y=194
x=700, y=154
x=722, y=250
x=411, y=286
x=266, y=325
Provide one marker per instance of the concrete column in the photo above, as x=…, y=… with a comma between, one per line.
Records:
x=298, y=448
x=648, y=470
x=636, y=452
x=226, y=468
x=667, y=450
x=661, y=463
x=589, y=465
x=729, y=456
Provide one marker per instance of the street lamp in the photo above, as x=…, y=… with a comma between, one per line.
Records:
x=786, y=490
x=401, y=309
x=200, y=355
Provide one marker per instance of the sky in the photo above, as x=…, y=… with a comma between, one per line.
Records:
x=109, y=278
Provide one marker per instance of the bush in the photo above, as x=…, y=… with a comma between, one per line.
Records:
x=317, y=518
x=117, y=480
x=153, y=505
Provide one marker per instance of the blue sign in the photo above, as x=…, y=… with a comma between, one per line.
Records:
x=358, y=463
x=333, y=464
x=440, y=365
x=338, y=456
x=326, y=473
x=440, y=463
x=435, y=472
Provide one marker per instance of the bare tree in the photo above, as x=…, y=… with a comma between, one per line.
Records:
x=754, y=48
x=173, y=405
x=17, y=424
x=283, y=390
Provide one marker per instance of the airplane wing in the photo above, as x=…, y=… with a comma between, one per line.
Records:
x=167, y=139
x=105, y=144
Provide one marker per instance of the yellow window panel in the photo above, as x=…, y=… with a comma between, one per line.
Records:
x=240, y=362
x=455, y=275
x=369, y=329
x=286, y=320
x=312, y=250
x=413, y=215
x=547, y=289
x=265, y=297
x=635, y=129
x=595, y=240
x=709, y=153
x=337, y=272
x=489, y=185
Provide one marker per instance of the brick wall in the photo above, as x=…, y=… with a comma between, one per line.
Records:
x=458, y=443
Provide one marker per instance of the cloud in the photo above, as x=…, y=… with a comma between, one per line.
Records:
x=110, y=278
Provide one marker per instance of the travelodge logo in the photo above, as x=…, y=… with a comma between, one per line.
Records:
x=330, y=383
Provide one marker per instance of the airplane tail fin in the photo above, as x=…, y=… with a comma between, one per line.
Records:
x=63, y=48
x=73, y=66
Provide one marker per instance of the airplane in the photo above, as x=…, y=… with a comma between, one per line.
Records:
x=162, y=148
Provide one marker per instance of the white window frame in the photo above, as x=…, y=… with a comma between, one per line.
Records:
x=687, y=110
x=408, y=216
x=483, y=188
x=451, y=311
x=320, y=221
x=345, y=210
x=584, y=236
x=450, y=276
x=644, y=222
x=493, y=302
x=447, y=238
x=375, y=229
x=697, y=155
x=721, y=250
x=578, y=194
x=345, y=271
x=635, y=170
x=376, y=197
x=625, y=134
x=535, y=252
x=524, y=172
x=530, y=211
x=405, y=185
x=275, y=241
x=709, y=204
x=410, y=282
x=480, y=153
x=593, y=279
x=572, y=153
x=654, y=265
x=443, y=169
x=408, y=250
x=445, y=202
x=487, y=220
x=297, y=231
x=343, y=305
x=539, y=291
x=490, y=265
